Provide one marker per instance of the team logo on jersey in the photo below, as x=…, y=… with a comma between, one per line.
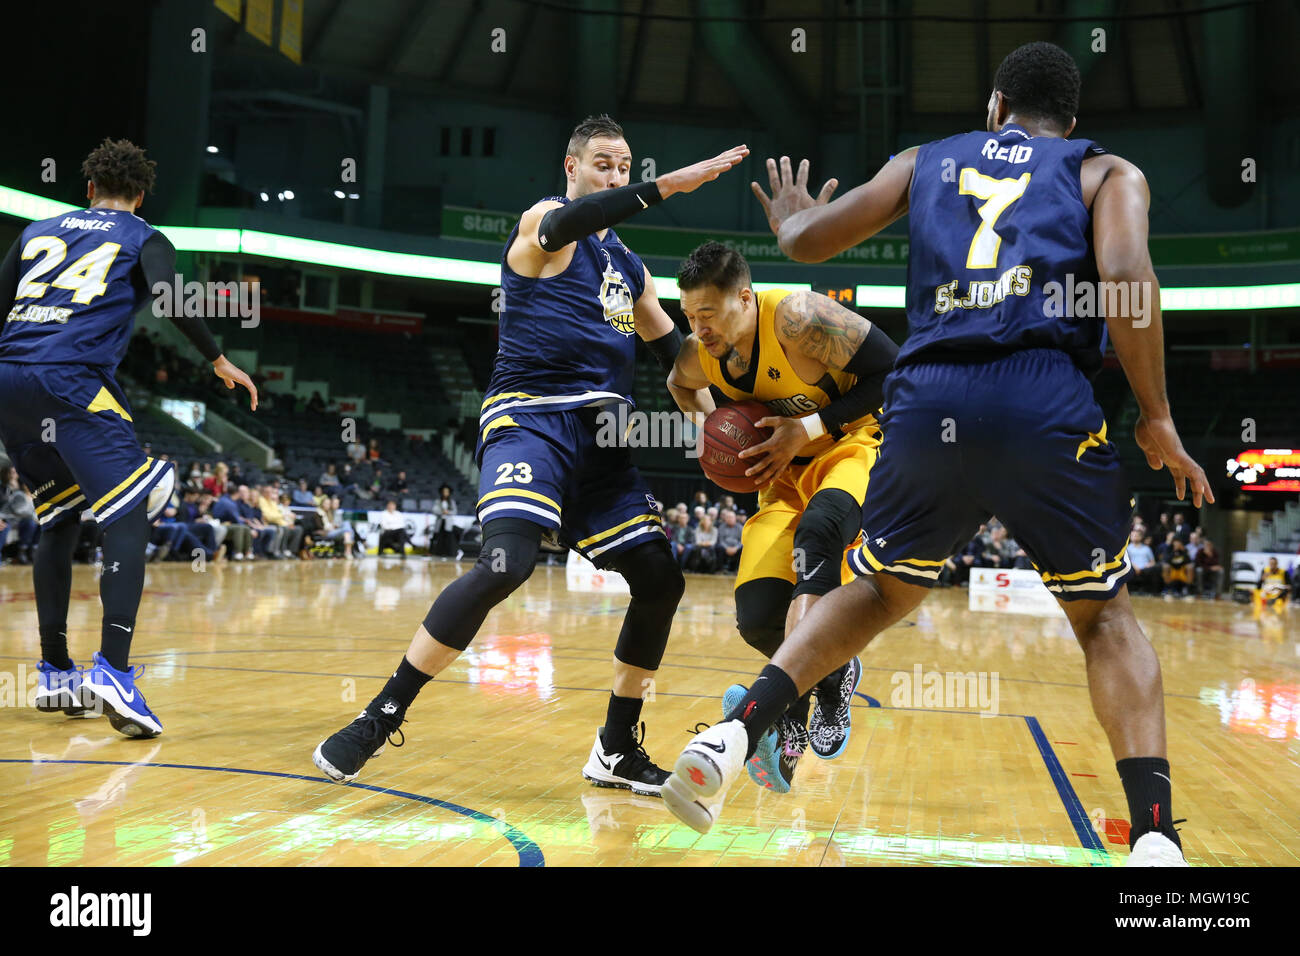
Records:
x=616, y=298
x=772, y=373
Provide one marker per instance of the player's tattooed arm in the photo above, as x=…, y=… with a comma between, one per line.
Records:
x=820, y=328
x=687, y=382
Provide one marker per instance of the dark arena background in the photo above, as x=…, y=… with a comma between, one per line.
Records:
x=339, y=179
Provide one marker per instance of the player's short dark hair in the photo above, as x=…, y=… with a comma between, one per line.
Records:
x=713, y=264
x=1040, y=80
x=588, y=129
x=119, y=169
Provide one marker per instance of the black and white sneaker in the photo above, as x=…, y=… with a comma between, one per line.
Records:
x=633, y=770
x=342, y=756
x=828, y=727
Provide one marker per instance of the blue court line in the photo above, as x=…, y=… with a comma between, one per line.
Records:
x=871, y=701
x=1073, y=808
x=530, y=854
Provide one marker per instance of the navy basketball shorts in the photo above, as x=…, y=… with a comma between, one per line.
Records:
x=547, y=467
x=1021, y=439
x=68, y=431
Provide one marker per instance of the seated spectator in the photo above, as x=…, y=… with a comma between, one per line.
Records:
x=1178, y=570
x=1147, y=575
x=1274, y=584
x=238, y=534
x=729, y=540
x=356, y=452
x=18, y=516
x=703, y=558
x=276, y=513
x=398, y=485
x=999, y=551
x=683, y=538
x=697, y=512
x=1165, y=548
x=1194, y=543
x=329, y=479
x=266, y=537
x=372, y=452
x=1209, y=568
x=334, y=530
x=302, y=496
x=216, y=484
x=392, y=533
x=701, y=501
x=1182, y=530
x=316, y=404
x=669, y=523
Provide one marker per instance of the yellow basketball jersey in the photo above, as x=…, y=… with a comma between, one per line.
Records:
x=772, y=381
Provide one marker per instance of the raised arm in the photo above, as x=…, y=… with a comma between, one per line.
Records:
x=1119, y=231
x=813, y=230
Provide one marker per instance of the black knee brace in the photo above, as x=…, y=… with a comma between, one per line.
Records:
x=828, y=526
x=657, y=585
x=761, y=606
x=509, y=553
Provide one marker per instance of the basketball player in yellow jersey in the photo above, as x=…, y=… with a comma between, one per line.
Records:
x=818, y=367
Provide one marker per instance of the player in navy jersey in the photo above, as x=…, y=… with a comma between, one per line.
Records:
x=989, y=411
x=575, y=299
x=69, y=289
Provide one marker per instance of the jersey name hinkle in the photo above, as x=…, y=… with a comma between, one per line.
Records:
x=983, y=293
x=71, y=222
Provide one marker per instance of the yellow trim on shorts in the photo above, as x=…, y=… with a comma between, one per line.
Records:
x=1089, y=573
x=518, y=493
x=148, y=462
x=57, y=498
x=600, y=536
x=500, y=395
x=501, y=421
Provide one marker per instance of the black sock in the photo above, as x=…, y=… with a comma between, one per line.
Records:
x=621, y=717
x=52, y=581
x=799, y=709
x=1147, y=787
x=772, y=692
x=122, y=581
x=54, y=646
x=406, y=682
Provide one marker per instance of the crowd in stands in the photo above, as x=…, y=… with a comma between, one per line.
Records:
x=1173, y=559
x=705, y=536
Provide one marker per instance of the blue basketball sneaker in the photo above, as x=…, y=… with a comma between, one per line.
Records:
x=60, y=690
x=112, y=691
x=830, y=723
x=773, y=763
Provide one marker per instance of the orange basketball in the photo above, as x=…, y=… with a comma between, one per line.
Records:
x=727, y=432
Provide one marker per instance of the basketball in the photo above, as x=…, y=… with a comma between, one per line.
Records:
x=727, y=432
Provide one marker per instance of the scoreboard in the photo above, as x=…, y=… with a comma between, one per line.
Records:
x=1266, y=469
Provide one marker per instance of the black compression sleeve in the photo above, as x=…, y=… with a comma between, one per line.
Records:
x=9, y=277
x=158, y=264
x=871, y=363
x=666, y=347
x=600, y=210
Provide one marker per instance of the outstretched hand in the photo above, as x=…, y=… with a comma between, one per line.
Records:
x=231, y=374
x=789, y=192
x=690, y=178
x=1159, y=441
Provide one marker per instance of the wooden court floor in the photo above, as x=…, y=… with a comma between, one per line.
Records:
x=249, y=666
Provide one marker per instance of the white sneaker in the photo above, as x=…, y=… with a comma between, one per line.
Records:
x=1155, y=849
x=703, y=773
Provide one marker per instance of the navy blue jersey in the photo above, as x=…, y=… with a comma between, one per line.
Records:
x=77, y=290
x=568, y=340
x=994, y=218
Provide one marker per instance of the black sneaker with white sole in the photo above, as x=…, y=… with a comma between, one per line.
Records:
x=632, y=770
x=342, y=755
x=831, y=721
